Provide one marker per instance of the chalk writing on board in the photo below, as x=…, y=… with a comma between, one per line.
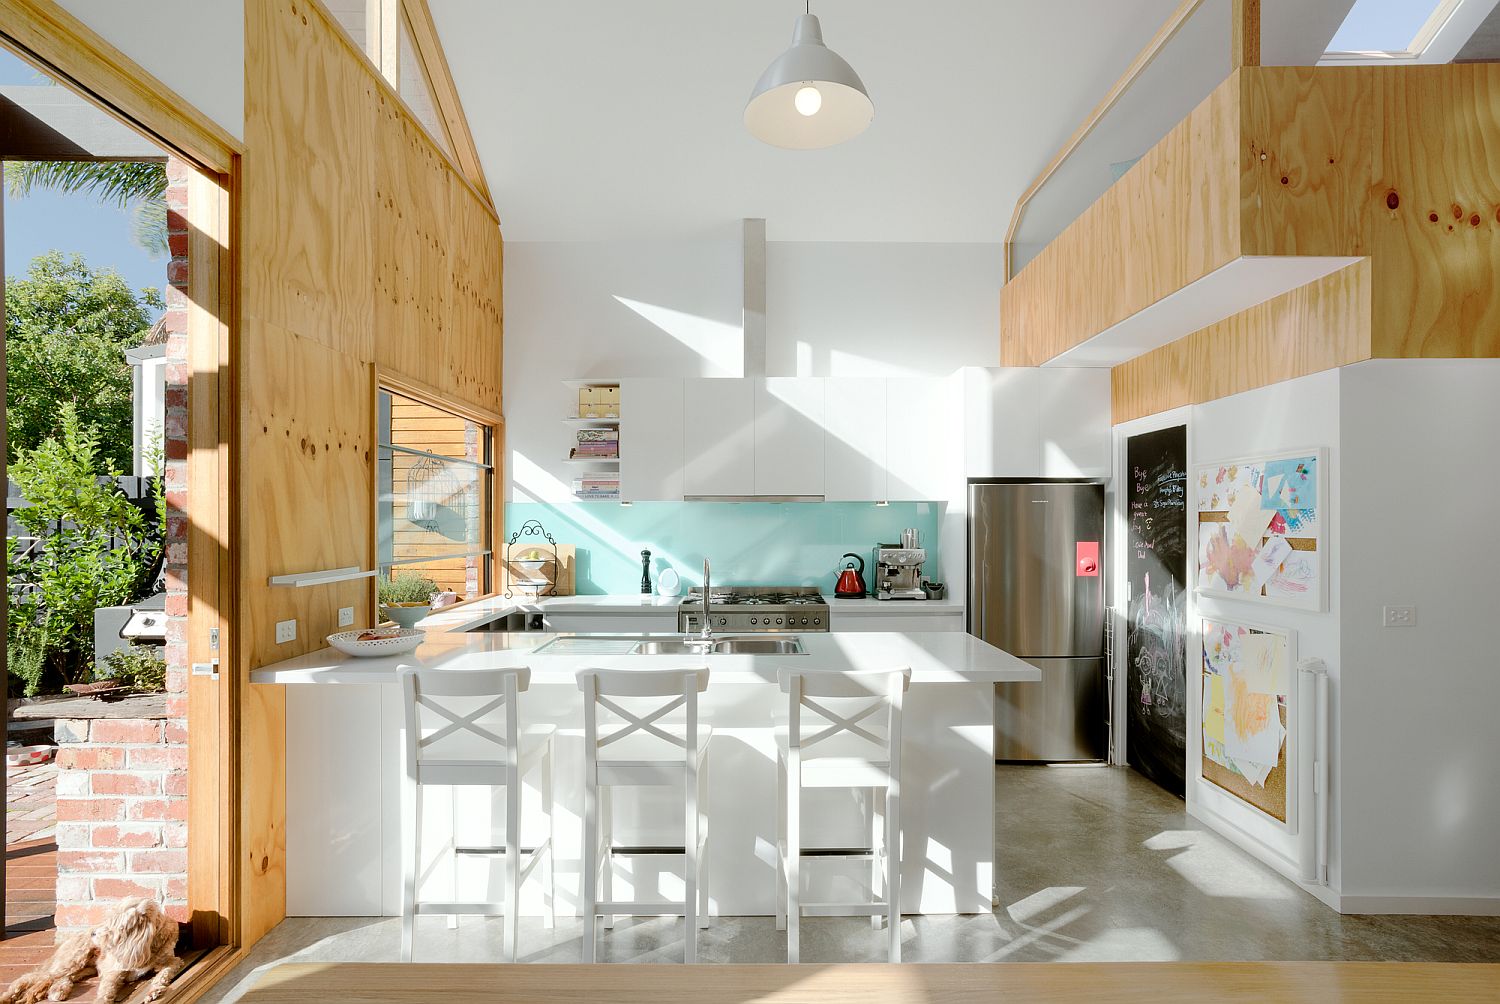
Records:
x=1156, y=567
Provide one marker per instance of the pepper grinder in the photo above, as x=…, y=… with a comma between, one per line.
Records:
x=646, y=572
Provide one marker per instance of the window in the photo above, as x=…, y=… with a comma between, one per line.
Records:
x=1389, y=29
x=434, y=495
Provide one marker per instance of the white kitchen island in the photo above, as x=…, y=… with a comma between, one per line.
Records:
x=344, y=743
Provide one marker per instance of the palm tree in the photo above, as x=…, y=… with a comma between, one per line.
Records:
x=137, y=185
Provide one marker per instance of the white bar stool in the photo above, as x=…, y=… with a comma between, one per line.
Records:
x=641, y=752
x=446, y=744
x=847, y=755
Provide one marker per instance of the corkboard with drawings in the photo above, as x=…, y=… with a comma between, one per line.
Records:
x=1245, y=726
x=1261, y=529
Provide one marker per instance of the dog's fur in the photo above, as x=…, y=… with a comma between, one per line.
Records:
x=134, y=939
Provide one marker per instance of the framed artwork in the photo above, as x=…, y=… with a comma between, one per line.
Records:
x=1261, y=529
x=1247, y=720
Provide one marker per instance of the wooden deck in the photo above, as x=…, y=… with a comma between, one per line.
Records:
x=1013, y=983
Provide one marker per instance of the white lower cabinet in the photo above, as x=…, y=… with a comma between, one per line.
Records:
x=899, y=622
x=651, y=440
x=718, y=436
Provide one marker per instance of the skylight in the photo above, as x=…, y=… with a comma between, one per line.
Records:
x=1392, y=28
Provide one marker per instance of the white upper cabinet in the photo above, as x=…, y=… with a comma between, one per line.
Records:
x=922, y=438
x=1075, y=423
x=651, y=440
x=788, y=435
x=1002, y=422
x=718, y=436
x=854, y=439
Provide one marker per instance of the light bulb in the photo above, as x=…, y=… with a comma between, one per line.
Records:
x=808, y=100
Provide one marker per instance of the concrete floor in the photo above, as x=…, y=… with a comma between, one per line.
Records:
x=1095, y=864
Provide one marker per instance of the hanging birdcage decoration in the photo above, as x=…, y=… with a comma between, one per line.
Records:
x=430, y=485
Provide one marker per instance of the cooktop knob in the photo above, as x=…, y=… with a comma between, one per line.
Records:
x=755, y=620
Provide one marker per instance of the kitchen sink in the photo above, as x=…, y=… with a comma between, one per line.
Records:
x=721, y=646
x=758, y=646
x=674, y=646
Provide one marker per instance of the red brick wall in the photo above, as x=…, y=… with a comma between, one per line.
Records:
x=122, y=783
x=121, y=816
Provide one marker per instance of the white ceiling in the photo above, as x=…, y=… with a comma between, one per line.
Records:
x=614, y=119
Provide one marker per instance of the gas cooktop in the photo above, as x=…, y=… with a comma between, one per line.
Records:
x=756, y=608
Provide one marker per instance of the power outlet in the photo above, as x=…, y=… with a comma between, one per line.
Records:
x=286, y=631
x=1400, y=617
x=346, y=616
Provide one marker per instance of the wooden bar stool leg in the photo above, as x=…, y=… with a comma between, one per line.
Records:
x=549, y=876
x=793, y=858
x=512, y=869
x=893, y=872
x=590, y=868
x=453, y=846
x=877, y=868
x=607, y=855
x=780, y=843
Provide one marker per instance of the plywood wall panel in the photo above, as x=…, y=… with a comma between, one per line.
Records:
x=1319, y=326
x=309, y=183
x=1172, y=219
x=1437, y=290
x=354, y=228
x=307, y=423
x=1306, y=142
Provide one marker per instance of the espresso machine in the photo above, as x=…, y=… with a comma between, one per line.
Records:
x=898, y=569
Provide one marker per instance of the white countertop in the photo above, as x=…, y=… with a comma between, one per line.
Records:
x=934, y=657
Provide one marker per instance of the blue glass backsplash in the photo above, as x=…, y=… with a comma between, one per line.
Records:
x=749, y=543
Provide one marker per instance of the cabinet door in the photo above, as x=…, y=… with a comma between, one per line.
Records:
x=854, y=439
x=788, y=435
x=1075, y=422
x=718, y=431
x=651, y=440
x=1002, y=419
x=922, y=437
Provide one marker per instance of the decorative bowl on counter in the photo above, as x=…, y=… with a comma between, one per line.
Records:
x=407, y=614
x=367, y=643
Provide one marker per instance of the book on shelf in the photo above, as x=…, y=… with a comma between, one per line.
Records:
x=598, y=435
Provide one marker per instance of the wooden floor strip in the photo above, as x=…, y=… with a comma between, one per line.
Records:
x=1012, y=983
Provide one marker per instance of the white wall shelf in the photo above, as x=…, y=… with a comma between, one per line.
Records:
x=300, y=579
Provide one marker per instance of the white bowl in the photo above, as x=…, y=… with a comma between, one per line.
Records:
x=348, y=643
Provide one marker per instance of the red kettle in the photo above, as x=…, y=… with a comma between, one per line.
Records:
x=851, y=584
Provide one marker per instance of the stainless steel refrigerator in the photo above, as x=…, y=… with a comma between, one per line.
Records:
x=1036, y=590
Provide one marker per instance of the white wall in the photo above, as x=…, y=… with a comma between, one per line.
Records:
x=1420, y=744
x=1296, y=414
x=882, y=309
x=195, y=47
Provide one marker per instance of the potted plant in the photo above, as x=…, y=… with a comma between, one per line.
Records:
x=406, y=599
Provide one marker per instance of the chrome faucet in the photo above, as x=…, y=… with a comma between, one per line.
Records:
x=708, y=631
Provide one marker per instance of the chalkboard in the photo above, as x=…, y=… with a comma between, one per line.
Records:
x=1155, y=633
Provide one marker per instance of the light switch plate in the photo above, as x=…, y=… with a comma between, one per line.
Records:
x=1399, y=617
x=346, y=616
x=286, y=631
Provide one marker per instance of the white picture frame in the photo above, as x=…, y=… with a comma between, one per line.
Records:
x=1216, y=489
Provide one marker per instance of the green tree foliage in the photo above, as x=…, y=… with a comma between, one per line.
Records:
x=97, y=550
x=67, y=327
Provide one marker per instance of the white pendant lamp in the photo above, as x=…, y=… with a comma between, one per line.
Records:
x=809, y=97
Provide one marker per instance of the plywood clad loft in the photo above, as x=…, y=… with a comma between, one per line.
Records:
x=366, y=257
x=1319, y=326
x=1394, y=164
